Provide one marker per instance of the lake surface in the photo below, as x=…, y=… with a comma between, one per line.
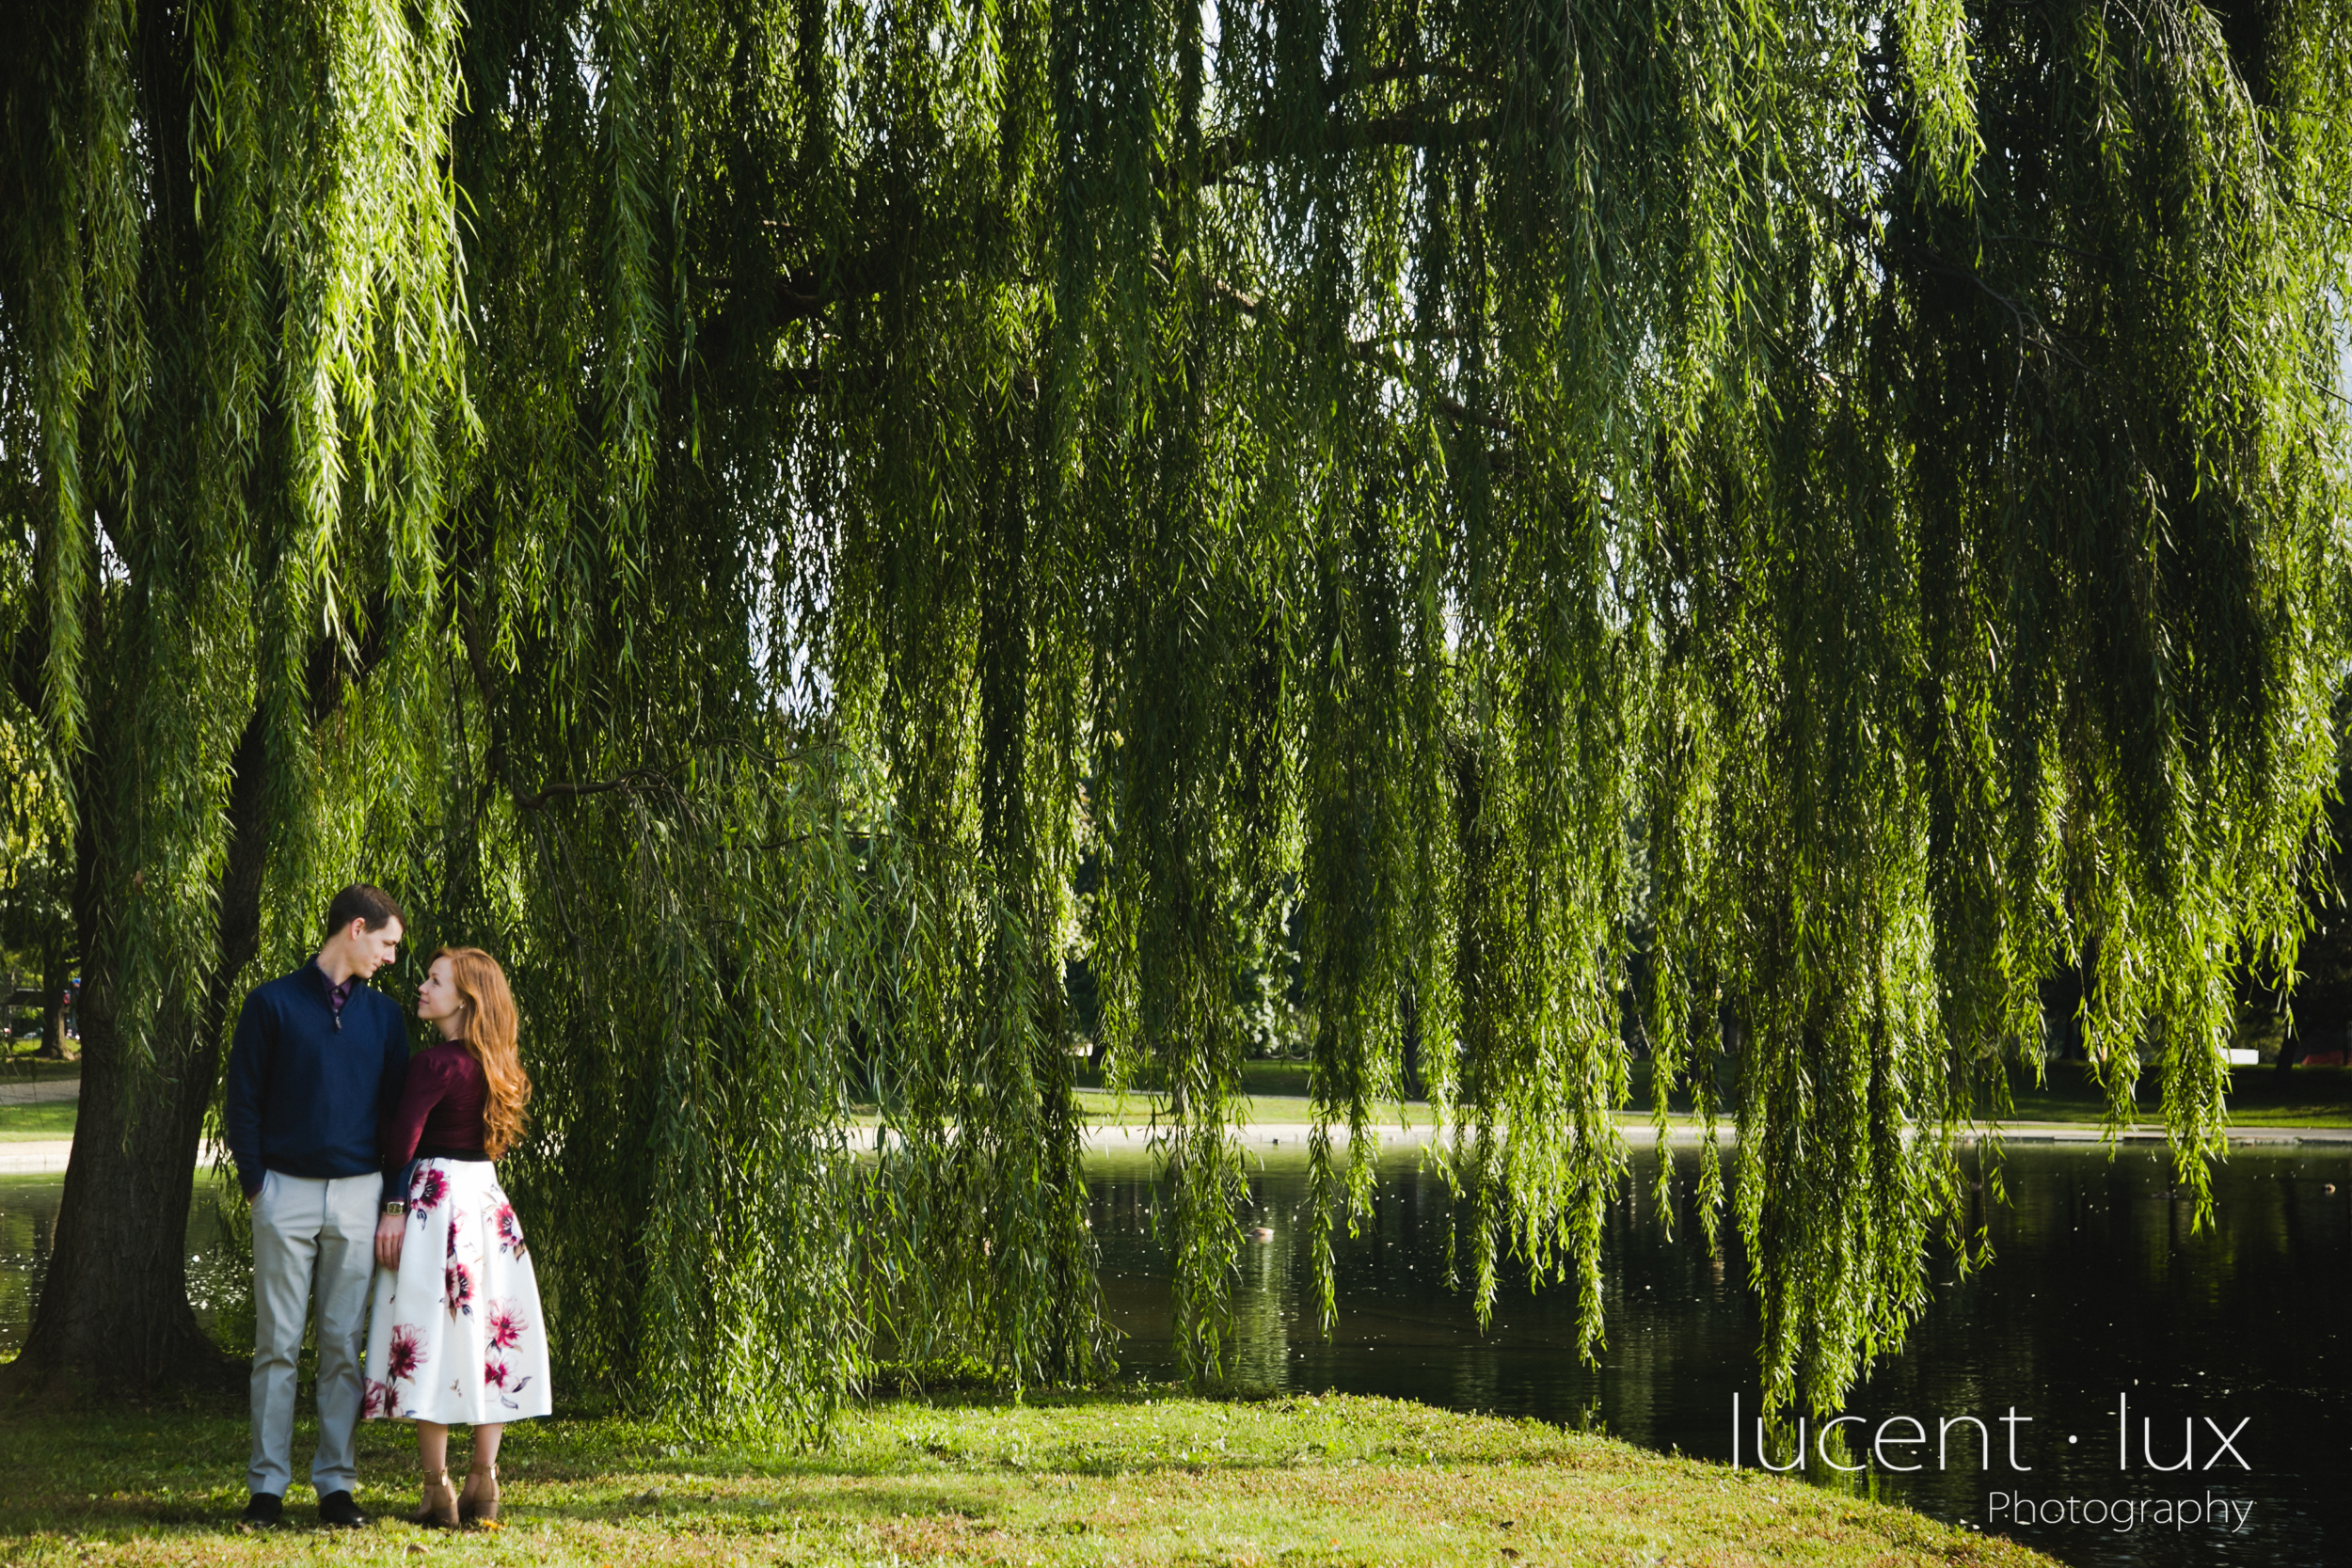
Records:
x=220, y=1257
x=2100, y=1292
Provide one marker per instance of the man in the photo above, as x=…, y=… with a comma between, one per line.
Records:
x=316, y=1063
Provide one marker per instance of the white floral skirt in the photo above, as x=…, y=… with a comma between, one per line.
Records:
x=455, y=1335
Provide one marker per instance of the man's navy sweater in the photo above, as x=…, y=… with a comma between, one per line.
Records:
x=306, y=1087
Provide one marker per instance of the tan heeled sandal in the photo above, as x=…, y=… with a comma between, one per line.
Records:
x=480, y=1504
x=440, y=1510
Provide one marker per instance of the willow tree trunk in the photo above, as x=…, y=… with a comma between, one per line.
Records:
x=113, y=1316
x=56, y=976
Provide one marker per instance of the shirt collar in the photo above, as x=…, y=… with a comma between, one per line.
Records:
x=336, y=995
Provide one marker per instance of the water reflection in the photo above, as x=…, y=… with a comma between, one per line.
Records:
x=2100, y=1292
x=220, y=1257
x=28, y=1223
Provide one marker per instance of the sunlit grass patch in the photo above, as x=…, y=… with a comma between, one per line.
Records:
x=37, y=1123
x=1096, y=1481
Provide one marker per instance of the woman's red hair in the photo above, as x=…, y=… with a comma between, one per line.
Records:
x=490, y=1030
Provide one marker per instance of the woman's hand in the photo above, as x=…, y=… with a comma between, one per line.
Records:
x=390, y=1230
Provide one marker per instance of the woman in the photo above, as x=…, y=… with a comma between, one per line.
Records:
x=456, y=1334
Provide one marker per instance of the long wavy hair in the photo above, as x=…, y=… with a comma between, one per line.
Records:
x=490, y=1029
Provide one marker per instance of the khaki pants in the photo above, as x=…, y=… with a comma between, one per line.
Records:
x=311, y=1237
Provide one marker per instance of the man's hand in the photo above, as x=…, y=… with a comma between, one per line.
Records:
x=252, y=1197
x=390, y=1230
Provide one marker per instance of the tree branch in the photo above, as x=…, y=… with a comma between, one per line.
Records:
x=2336, y=213
x=631, y=780
x=332, y=658
x=1462, y=413
x=24, y=671
x=471, y=612
x=1385, y=74
x=2031, y=330
x=1233, y=152
x=807, y=290
x=1376, y=353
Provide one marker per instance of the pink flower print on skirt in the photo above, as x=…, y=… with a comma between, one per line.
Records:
x=426, y=1188
x=510, y=1230
x=457, y=1288
x=506, y=1325
x=402, y=1354
x=457, y=1336
x=505, y=1382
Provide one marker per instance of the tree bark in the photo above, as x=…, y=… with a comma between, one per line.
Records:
x=55, y=976
x=114, y=1317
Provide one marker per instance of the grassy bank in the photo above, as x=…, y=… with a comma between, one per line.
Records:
x=27, y=1123
x=1274, y=1094
x=23, y=1064
x=2258, y=1097
x=1092, y=1480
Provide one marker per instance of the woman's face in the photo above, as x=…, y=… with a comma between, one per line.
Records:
x=436, y=999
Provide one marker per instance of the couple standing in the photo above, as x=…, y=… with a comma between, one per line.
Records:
x=354, y=1154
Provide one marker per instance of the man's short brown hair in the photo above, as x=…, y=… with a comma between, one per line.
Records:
x=365, y=901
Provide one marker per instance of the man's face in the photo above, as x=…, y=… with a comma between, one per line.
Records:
x=372, y=950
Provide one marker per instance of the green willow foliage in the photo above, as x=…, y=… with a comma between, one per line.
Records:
x=216, y=368
x=1790, y=524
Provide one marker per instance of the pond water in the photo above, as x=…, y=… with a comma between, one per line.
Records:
x=2100, y=1292
x=220, y=1257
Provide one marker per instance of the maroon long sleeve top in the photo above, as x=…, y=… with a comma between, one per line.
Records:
x=441, y=1106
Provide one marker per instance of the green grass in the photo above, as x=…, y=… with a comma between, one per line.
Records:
x=1139, y=1108
x=22, y=1067
x=1275, y=1093
x=35, y=1123
x=1097, y=1479
x=2307, y=1097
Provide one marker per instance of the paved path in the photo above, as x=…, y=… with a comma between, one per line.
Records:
x=47, y=1092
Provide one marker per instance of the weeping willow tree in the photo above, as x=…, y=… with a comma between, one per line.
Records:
x=732, y=503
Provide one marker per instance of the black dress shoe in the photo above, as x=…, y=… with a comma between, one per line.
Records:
x=337, y=1509
x=262, y=1510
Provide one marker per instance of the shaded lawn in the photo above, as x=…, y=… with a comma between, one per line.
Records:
x=1135, y=1108
x=2258, y=1097
x=1093, y=1479
x=25, y=1065
x=32, y=1123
